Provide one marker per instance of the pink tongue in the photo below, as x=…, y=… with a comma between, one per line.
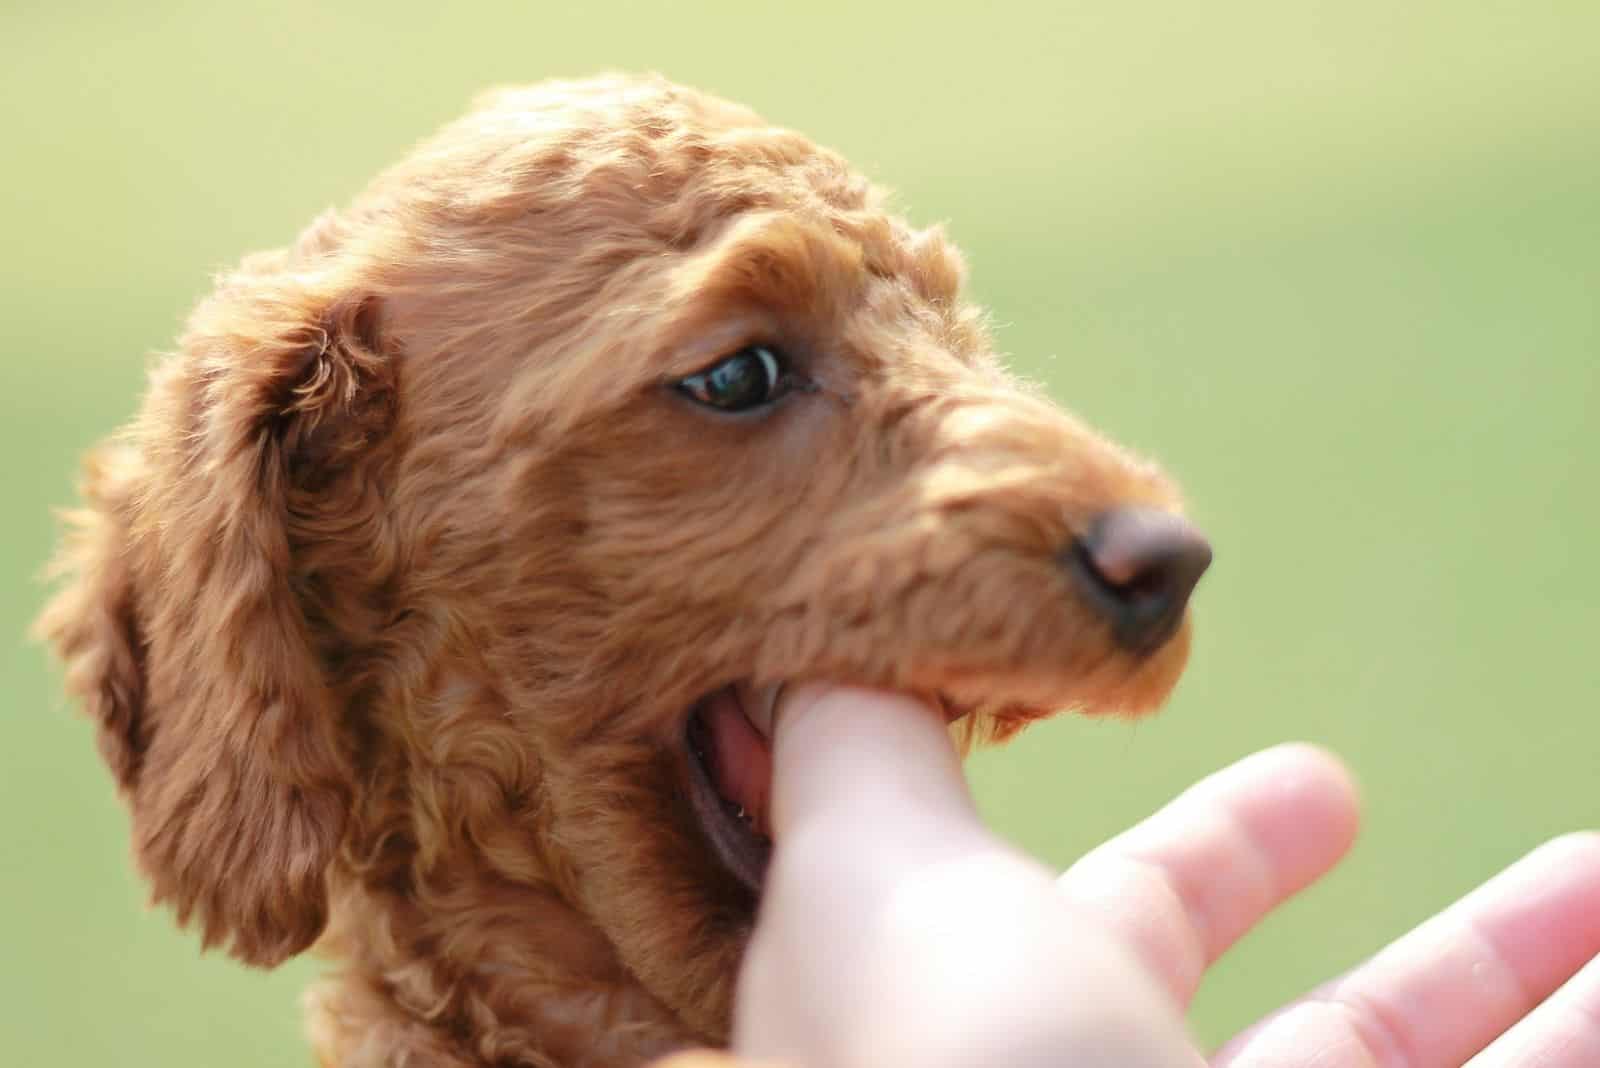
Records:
x=741, y=761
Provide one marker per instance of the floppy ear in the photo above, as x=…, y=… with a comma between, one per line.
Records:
x=179, y=621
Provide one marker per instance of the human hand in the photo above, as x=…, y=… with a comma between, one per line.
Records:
x=896, y=930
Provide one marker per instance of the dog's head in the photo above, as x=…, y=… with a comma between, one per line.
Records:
x=461, y=534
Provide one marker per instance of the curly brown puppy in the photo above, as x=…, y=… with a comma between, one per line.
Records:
x=417, y=605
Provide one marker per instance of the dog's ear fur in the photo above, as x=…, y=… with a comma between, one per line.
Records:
x=179, y=622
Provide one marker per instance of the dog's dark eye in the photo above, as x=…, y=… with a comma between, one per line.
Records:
x=753, y=376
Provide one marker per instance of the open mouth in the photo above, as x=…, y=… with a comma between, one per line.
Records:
x=730, y=783
x=730, y=774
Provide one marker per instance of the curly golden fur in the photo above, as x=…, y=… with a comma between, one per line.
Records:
x=390, y=602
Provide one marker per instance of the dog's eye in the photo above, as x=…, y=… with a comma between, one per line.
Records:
x=753, y=376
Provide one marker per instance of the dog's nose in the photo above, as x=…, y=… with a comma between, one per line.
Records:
x=1137, y=567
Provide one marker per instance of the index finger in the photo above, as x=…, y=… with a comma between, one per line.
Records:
x=1184, y=885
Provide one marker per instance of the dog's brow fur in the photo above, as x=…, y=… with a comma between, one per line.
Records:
x=391, y=603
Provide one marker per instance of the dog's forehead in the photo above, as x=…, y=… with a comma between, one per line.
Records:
x=629, y=219
x=624, y=148
x=678, y=164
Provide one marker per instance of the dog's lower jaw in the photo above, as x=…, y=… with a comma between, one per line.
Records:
x=539, y=985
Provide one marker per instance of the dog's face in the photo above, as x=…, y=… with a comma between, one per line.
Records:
x=615, y=408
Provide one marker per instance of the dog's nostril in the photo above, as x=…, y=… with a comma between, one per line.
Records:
x=1137, y=567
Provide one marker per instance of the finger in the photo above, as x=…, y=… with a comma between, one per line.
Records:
x=861, y=757
x=1184, y=885
x=1564, y=1032
x=1443, y=992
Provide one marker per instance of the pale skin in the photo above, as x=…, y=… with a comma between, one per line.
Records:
x=896, y=929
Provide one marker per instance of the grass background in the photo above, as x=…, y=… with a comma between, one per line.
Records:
x=1336, y=263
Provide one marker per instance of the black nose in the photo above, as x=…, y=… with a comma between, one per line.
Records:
x=1137, y=567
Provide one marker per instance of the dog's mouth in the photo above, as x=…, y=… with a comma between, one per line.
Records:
x=730, y=781
x=729, y=758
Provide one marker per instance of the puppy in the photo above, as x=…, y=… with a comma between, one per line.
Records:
x=417, y=606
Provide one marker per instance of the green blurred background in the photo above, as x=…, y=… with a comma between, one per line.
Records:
x=1337, y=264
